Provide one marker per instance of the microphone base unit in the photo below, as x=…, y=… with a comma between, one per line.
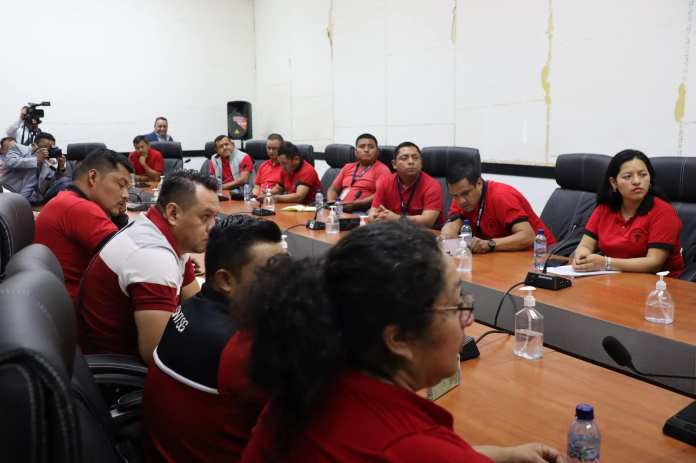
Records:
x=260, y=212
x=469, y=350
x=682, y=426
x=547, y=281
x=343, y=224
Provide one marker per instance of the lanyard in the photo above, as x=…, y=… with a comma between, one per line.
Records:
x=482, y=204
x=355, y=172
x=405, y=207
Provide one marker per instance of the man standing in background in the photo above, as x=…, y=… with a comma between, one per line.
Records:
x=160, y=132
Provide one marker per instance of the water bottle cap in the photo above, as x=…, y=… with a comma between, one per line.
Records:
x=466, y=222
x=584, y=412
x=540, y=231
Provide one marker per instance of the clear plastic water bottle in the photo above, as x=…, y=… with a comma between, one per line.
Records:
x=540, y=250
x=319, y=205
x=583, y=436
x=268, y=201
x=247, y=193
x=332, y=222
x=529, y=329
x=465, y=233
x=659, y=306
x=219, y=186
x=339, y=207
x=464, y=257
x=284, y=242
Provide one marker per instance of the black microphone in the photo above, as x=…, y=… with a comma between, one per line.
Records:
x=619, y=354
x=681, y=426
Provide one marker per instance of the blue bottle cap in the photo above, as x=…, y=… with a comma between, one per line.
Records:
x=584, y=412
x=466, y=222
x=541, y=230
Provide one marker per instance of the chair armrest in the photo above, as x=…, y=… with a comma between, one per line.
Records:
x=689, y=273
x=117, y=369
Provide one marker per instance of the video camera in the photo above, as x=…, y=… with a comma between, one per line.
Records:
x=54, y=152
x=33, y=113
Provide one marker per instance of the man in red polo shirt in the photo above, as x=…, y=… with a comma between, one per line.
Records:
x=148, y=163
x=501, y=218
x=270, y=170
x=356, y=183
x=78, y=221
x=299, y=182
x=135, y=282
x=201, y=360
x=409, y=193
x=230, y=167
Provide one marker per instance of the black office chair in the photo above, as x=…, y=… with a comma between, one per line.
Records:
x=16, y=226
x=436, y=161
x=209, y=149
x=172, y=153
x=571, y=204
x=386, y=155
x=336, y=156
x=675, y=176
x=257, y=150
x=76, y=152
x=307, y=152
x=34, y=257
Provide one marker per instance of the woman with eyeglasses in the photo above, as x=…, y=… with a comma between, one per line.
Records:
x=633, y=228
x=343, y=345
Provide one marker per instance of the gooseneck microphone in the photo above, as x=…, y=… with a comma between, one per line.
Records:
x=681, y=426
x=619, y=354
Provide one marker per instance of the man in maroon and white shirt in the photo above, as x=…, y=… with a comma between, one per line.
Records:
x=137, y=279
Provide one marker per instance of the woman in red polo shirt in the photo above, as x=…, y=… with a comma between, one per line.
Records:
x=343, y=345
x=632, y=229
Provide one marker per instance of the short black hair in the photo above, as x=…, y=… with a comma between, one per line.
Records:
x=44, y=136
x=232, y=237
x=102, y=160
x=3, y=140
x=140, y=138
x=368, y=136
x=220, y=137
x=276, y=136
x=289, y=149
x=161, y=118
x=180, y=187
x=613, y=199
x=470, y=170
x=405, y=144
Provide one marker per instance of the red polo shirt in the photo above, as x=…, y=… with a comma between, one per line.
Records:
x=138, y=269
x=154, y=160
x=363, y=419
x=245, y=165
x=305, y=175
x=354, y=185
x=426, y=197
x=73, y=227
x=655, y=225
x=269, y=174
x=503, y=206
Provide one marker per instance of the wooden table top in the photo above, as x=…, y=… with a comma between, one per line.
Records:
x=506, y=400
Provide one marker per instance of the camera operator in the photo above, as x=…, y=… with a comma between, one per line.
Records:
x=23, y=163
x=26, y=128
x=55, y=174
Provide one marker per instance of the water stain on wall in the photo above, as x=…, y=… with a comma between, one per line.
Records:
x=545, y=80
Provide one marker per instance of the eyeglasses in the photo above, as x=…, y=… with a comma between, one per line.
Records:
x=465, y=308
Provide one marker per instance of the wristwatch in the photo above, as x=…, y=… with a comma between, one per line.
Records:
x=491, y=245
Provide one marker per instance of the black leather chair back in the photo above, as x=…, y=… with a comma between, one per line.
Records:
x=256, y=149
x=172, y=153
x=76, y=152
x=436, y=161
x=16, y=226
x=336, y=156
x=34, y=257
x=675, y=176
x=386, y=155
x=566, y=212
x=307, y=152
x=209, y=149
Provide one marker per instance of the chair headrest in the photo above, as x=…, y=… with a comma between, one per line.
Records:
x=79, y=151
x=34, y=257
x=209, y=149
x=437, y=159
x=307, y=152
x=256, y=149
x=386, y=154
x=581, y=171
x=38, y=315
x=16, y=224
x=169, y=149
x=675, y=176
x=339, y=154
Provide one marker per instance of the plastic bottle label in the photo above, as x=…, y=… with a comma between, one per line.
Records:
x=583, y=450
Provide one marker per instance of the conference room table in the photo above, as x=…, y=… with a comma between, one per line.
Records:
x=576, y=319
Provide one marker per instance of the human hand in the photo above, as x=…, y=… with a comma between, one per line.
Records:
x=589, y=263
x=479, y=246
x=533, y=453
x=385, y=215
x=41, y=155
x=61, y=162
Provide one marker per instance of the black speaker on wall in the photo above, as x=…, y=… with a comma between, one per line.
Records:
x=239, y=120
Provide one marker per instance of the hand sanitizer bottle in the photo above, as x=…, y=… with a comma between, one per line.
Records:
x=659, y=306
x=529, y=329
